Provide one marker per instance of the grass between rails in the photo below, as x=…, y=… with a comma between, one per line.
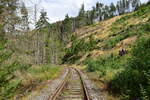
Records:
x=27, y=80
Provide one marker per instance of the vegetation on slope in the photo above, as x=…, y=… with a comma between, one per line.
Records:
x=134, y=81
x=79, y=47
x=125, y=74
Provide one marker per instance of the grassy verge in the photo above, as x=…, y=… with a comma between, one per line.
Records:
x=25, y=81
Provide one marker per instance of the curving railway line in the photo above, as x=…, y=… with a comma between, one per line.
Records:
x=72, y=88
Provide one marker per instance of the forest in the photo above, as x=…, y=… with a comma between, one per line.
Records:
x=27, y=52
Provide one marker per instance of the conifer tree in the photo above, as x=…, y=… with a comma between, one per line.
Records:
x=24, y=18
x=99, y=9
x=67, y=28
x=112, y=10
x=136, y=4
x=93, y=14
x=118, y=7
x=41, y=26
x=81, y=19
x=43, y=20
x=11, y=19
x=106, y=12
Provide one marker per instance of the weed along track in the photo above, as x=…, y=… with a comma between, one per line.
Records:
x=72, y=88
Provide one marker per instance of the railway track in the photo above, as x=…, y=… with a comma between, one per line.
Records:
x=72, y=88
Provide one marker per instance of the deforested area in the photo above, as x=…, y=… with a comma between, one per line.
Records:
x=107, y=41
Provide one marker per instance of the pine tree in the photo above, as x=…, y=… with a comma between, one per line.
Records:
x=24, y=18
x=41, y=26
x=148, y=2
x=123, y=6
x=82, y=11
x=81, y=18
x=136, y=4
x=67, y=28
x=7, y=70
x=118, y=7
x=128, y=5
x=43, y=20
x=99, y=9
x=11, y=18
x=106, y=12
x=112, y=10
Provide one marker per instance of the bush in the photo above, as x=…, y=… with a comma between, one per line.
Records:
x=113, y=41
x=9, y=86
x=106, y=65
x=77, y=46
x=134, y=81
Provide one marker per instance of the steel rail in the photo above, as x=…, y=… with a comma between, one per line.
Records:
x=87, y=97
x=62, y=85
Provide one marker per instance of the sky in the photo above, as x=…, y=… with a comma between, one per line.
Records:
x=57, y=9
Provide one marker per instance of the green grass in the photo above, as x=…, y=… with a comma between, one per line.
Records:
x=134, y=81
x=8, y=84
x=132, y=30
x=142, y=12
x=26, y=78
x=107, y=66
x=44, y=72
x=128, y=75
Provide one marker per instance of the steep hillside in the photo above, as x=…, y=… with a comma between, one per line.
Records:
x=113, y=49
x=115, y=33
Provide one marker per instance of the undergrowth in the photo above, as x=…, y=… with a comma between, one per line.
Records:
x=20, y=79
x=132, y=30
x=128, y=75
x=121, y=29
x=107, y=65
x=134, y=82
x=79, y=46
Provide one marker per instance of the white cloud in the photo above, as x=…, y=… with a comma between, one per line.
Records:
x=57, y=9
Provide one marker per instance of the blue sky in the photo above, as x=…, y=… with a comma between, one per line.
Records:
x=57, y=9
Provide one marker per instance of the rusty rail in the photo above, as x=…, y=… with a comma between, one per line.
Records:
x=62, y=85
x=87, y=97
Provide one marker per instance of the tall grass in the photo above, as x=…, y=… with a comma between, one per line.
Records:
x=107, y=66
x=23, y=78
